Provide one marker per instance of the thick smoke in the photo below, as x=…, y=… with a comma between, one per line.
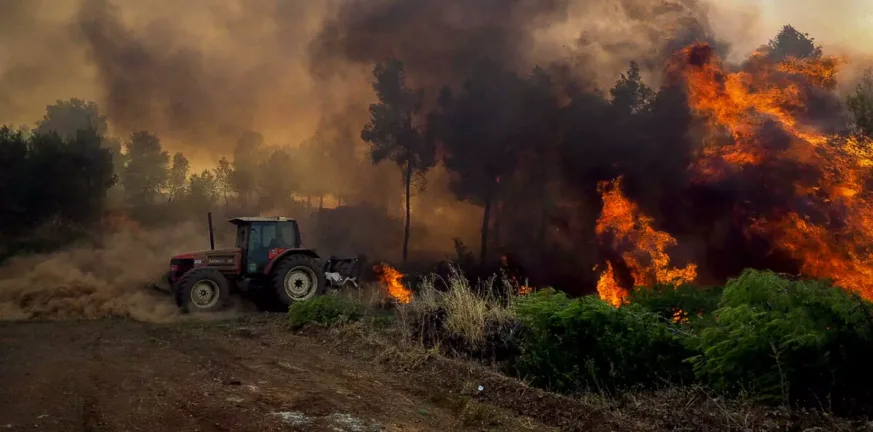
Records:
x=438, y=41
x=206, y=85
x=442, y=41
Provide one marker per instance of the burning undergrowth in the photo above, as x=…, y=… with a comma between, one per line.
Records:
x=644, y=259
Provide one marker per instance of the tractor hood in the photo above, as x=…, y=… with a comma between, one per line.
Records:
x=224, y=260
x=206, y=253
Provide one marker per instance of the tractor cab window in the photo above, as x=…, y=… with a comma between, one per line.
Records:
x=287, y=234
x=264, y=237
x=272, y=235
x=258, y=238
x=241, y=237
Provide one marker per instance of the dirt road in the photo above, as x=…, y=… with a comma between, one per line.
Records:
x=252, y=375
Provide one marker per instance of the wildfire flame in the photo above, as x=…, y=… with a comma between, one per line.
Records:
x=608, y=288
x=644, y=247
x=523, y=288
x=833, y=234
x=758, y=117
x=392, y=281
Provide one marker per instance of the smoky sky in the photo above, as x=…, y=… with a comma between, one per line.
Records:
x=201, y=72
x=155, y=77
x=438, y=40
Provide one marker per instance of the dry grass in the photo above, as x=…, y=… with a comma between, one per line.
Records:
x=371, y=295
x=467, y=313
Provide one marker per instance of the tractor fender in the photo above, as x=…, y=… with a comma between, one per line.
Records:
x=286, y=252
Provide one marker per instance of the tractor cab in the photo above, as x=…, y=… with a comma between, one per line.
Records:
x=260, y=239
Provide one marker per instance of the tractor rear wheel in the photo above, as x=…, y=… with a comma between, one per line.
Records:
x=298, y=278
x=203, y=290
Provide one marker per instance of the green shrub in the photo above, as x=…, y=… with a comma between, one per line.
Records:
x=325, y=310
x=689, y=302
x=587, y=344
x=789, y=341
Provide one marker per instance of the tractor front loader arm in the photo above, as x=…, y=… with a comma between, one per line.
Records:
x=344, y=272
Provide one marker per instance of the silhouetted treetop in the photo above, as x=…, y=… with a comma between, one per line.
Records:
x=792, y=43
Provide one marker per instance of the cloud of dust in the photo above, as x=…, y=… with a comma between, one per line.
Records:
x=97, y=281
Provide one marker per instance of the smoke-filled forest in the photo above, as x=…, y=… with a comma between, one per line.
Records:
x=412, y=131
x=577, y=214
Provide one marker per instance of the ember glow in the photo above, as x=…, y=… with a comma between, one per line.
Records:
x=391, y=279
x=524, y=290
x=642, y=248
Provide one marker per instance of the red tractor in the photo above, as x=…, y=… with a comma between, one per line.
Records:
x=268, y=255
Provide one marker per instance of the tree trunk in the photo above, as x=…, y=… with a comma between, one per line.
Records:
x=497, y=217
x=544, y=211
x=486, y=218
x=406, y=228
x=321, y=202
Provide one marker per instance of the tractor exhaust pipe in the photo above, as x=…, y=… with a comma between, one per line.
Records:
x=211, y=234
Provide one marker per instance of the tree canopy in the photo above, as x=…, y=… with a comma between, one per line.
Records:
x=860, y=104
x=792, y=43
x=395, y=132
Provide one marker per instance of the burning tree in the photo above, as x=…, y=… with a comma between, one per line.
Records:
x=815, y=205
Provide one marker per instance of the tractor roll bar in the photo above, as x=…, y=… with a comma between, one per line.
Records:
x=211, y=234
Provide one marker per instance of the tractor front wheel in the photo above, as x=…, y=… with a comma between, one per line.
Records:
x=299, y=278
x=203, y=290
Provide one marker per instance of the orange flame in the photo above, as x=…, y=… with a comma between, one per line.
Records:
x=524, y=290
x=645, y=254
x=837, y=242
x=608, y=288
x=392, y=280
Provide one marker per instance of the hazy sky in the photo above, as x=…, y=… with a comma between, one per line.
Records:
x=843, y=22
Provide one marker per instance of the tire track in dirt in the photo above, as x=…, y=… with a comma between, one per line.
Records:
x=119, y=375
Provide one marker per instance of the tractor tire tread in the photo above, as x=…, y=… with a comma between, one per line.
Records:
x=190, y=278
x=291, y=261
